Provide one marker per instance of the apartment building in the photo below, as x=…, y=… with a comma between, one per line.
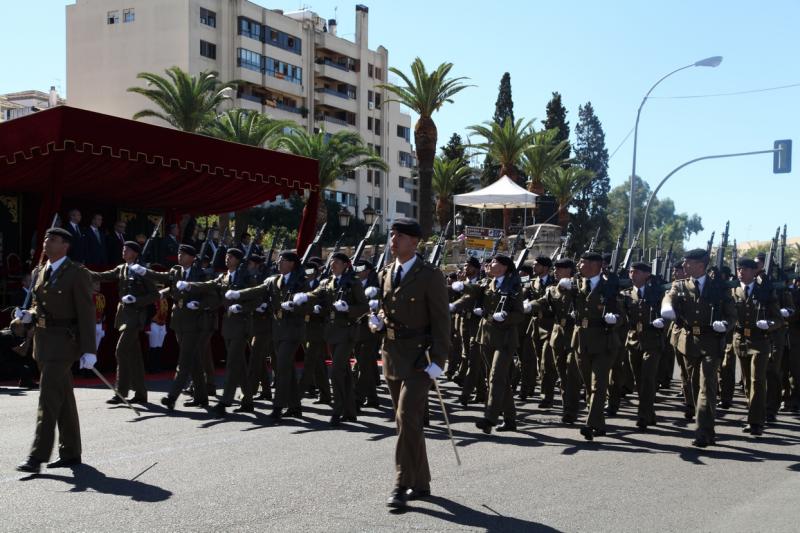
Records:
x=292, y=65
x=22, y=103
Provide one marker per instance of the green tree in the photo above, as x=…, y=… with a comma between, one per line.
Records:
x=557, y=118
x=248, y=127
x=425, y=93
x=541, y=157
x=591, y=202
x=185, y=102
x=454, y=149
x=450, y=177
x=563, y=183
x=504, y=106
x=337, y=154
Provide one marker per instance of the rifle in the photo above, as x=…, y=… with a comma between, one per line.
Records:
x=310, y=247
x=734, y=260
x=626, y=263
x=523, y=254
x=782, y=254
x=221, y=244
x=520, y=237
x=149, y=242
x=435, y=258
x=710, y=244
x=769, y=261
x=723, y=244
x=612, y=266
x=594, y=240
x=566, y=242
x=326, y=272
x=361, y=245
x=198, y=261
x=385, y=255
x=496, y=245
x=268, y=261
x=24, y=347
x=666, y=269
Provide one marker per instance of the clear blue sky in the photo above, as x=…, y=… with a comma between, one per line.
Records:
x=608, y=53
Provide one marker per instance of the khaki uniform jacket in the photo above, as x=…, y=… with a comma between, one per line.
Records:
x=286, y=325
x=63, y=303
x=591, y=334
x=500, y=335
x=129, y=315
x=233, y=324
x=749, y=311
x=182, y=318
x=416, y=317
x=560, y=305
x=695, y=313
x=340, y=326
x=542, y=321
x=640, y=313
x=464, y=306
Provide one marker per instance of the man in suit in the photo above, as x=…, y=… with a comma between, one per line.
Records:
x=115, y=241
x=135, y=295
x=415, y=322
x=703, y=311
x=96, y=249
x=249, y=247
x=77, y=248
x=169, y=246
x=62, y=316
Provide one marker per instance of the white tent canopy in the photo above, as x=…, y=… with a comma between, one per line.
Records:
x=503, y=193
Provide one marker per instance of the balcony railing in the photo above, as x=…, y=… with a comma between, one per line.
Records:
x=290, y=109
x=334, y=93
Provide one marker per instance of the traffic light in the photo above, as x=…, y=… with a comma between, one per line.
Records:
x=782, y=157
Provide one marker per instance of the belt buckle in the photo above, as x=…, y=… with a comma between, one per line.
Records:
x=390, y=334
x=746, y=332
x=40, y=322
x=695, y=330
x=585, y=323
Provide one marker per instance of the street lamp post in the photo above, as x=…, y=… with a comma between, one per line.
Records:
x=712, y=61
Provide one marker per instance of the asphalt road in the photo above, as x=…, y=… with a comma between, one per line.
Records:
x=187, y=472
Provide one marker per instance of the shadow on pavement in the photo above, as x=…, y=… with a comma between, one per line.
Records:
x=456, y=513
x=88, y=478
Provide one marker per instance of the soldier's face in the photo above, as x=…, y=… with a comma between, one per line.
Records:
x=638, y=277
x=497, y=269
x=128, y=255
x=694, y=268
x=338, y=267
x=539, y=270
x=589, y=269
x=284, y=266
x=403, y=245
x=471, y=271
x=231, y=262
x=55, y=247
x=185, y=260
x=563, y=272
x=746, y=275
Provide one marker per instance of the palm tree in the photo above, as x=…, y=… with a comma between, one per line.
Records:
x=185, y=102
x=337, y=154
x=425, y=94
x=505, y=143
x=563, y=183
x=449, y=178
x=542, y=156
x=248, y=127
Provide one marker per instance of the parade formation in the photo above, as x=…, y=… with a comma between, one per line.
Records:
x=577, y=334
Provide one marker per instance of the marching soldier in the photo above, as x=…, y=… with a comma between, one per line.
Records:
x=500, y=307
x=645, y=338
x=285, y=292
x=595, y=339
x=136, y=293
x=727, y=370
x=416, y=323
x=315, y=371
x=471, y=289
x=342, y=301
x=367, y=348
x=236, y=328
x=758, y=316
x=541, y=327
x=704, y=312
x=526, y=372
x=62, y=315
x=791, y=396
x=261, y=347
x=187, y=320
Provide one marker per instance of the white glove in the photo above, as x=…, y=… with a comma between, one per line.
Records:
x=138, y=269
x=341, y=306
x=375, y=323
x=182, y=285
x=610, y=318
x=23, y=316
x=235, y=308
x=193, y=305
x=452, y=307
x=658, y=323
x=477, y=311
x=457, y=286
x=527, y=306
x=262, y=308
x=499, y=316
x=786, y=313
x=129, y=299
x=720, y=326
x=762, y=324
x=565, y=283
x=371, y=292
x=374, y=304
x=88, y=360
x=232, y=295
x=317, y=309
x=287, y=306
x=300, y=298
x=433, y=370
x=668, y=313
x=573, y=314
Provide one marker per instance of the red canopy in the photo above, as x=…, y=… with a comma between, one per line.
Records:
x=67, y=151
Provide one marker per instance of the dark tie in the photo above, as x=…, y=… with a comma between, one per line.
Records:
x=747, y=292
x=641, y=292
x=398, y=276
x=186, y=274
x=336, y=283
x=47, y=273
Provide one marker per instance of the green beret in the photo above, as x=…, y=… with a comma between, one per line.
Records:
x=408, y=226
x=59, y=232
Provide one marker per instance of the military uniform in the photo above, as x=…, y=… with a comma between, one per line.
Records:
x=477, y=366
x=791, y=396
x=540, y=328
x=702, y=347
x=315, y=371
x=416, y=321
x=63, y=322
x=130, y=321
x=367, y=351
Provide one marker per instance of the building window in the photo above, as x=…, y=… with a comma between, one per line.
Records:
x=344, y=198
x=377, y=126
x=378, y=148
x=377, y=100
x=378, y=74
x=208, y=17
x=401, y=182
x=369, y=123
x=250, y=28
x=405, y=159
x=403, y=208
x=249, y=59
x=370, y=97
x=414, y=212
x=369, y=176
x=404, y=132
x=208, y=50
x=377, y=204
x=128, y=15
x=377, y=178
x=113, y=17
x=414, y=195
x=283, y=71
x=370, y=69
